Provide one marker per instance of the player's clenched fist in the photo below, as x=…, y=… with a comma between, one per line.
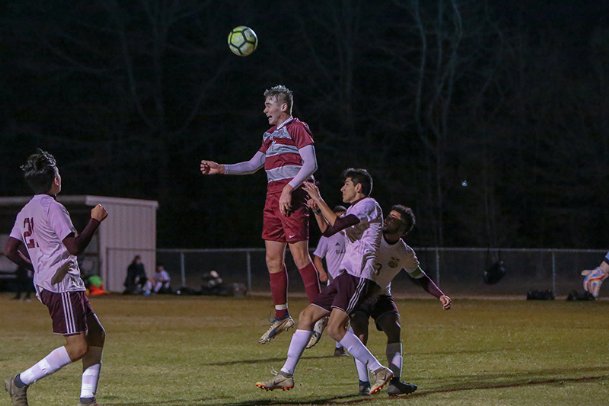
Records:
x=99, y=213
x=211, y=168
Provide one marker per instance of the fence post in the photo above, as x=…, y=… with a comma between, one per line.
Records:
x=248, y=257
x=437, y=266
x=554, y=273
x=182, y=268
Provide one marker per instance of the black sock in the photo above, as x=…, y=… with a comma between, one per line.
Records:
x=18, y=382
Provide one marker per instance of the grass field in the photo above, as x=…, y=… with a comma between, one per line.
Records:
x=203, y=351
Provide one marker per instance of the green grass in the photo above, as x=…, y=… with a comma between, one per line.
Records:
x=203, y=351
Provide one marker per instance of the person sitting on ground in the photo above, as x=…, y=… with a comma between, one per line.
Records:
x=159, y=282
x=593, y=278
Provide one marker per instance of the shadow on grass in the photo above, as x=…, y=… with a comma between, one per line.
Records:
x=353, y=398
x=262, y=360
x=516, y=383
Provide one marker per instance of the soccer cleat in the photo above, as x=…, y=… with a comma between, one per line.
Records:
x=364, y=388
x=318, y=330
x=340, y=352
x=18, y=395
x=593, y=279
x=87, y=402
x=381, y=377
x=277, y=326
x=279, y=381
x=400, y=388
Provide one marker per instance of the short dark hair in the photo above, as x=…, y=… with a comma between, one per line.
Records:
x=359, y=176
x=283, y=94
x=39, y=171
x=340, y=208
x=407, y=215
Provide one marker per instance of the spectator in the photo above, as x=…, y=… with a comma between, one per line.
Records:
x=23, y=274
x=159, y=282
x=136, y=277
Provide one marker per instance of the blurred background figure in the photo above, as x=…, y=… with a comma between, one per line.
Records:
x=213, y=284
x=25, y=284
x=593, y=278
x=159, y=282
x=136, y=277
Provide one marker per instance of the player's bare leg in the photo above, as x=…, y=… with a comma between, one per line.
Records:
x=275, y=254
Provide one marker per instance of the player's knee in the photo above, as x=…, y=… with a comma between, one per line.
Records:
x=359, y=323
x=336, y=332
x=77, y=350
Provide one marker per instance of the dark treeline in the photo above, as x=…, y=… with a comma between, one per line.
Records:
x=489, y=118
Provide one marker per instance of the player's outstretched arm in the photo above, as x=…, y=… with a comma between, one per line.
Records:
x=77, y=244
x=241, y=168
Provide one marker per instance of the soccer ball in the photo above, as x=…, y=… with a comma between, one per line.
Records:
x=242, y=41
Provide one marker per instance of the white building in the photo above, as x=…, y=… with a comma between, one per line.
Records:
x=129, y=230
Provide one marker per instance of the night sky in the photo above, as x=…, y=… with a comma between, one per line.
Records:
x=489, y=118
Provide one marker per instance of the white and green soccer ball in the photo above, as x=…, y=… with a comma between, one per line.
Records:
x=242, y=41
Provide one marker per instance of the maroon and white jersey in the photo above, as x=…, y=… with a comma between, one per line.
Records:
x=333, y=250
x=390, y=260
x=280, y=145
x=41, y=225
x=363, y=239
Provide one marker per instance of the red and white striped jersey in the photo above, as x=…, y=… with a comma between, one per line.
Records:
x=280, y=145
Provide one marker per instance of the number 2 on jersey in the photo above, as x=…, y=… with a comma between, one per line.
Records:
x=28, y=225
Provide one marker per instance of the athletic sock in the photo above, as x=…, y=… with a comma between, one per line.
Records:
x=279, y=292
x=362, y=371
x=57, y=359
x=299, y=341
x=359, y=351
x=394, y=359
x=90, y=378
x=310, y=279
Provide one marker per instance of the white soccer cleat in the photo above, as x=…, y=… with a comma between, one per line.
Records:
x=593, y=279
x=277, y=326
x=318, y=330
x=381, y=377
x=280, y=380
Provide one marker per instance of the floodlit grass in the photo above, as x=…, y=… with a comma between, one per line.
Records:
x=203, y=351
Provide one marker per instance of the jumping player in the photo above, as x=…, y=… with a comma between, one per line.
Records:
x=44, y=228
x=393, y=256
x=363, y=223
x=288, y=157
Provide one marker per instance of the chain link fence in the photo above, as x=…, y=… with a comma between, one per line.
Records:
x=459, y=271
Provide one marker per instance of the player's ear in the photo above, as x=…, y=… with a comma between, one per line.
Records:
x=284, y=107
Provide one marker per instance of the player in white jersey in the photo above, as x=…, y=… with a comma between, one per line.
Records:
x=332, y=249
x=44, y=236
x=363, y=224
x=393, y=256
